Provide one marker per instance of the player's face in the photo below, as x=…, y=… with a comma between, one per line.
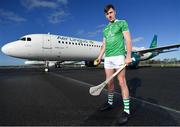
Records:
x=110, y=15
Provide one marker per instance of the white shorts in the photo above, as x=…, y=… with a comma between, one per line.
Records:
x=114, y=62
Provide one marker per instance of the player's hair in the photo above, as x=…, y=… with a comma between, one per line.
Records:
x=107, y=7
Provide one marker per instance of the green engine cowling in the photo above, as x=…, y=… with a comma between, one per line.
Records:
x=135, y=60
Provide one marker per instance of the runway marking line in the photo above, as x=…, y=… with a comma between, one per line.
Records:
x=140, y=100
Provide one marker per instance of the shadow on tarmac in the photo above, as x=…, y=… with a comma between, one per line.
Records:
x=133, y=85
x=142, y=114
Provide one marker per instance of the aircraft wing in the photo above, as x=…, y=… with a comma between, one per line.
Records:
x=159, y=49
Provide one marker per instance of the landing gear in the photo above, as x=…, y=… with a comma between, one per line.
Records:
x=89, y=63
x=47, y=67
x=58, y=65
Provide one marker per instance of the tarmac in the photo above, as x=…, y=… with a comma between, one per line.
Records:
x=29, y=96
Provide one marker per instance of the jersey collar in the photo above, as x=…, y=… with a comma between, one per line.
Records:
x=114, y=21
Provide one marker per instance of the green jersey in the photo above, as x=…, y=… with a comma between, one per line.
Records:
x=114, y=39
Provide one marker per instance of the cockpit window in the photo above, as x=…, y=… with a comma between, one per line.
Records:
x=28, y=39
x=23, y=39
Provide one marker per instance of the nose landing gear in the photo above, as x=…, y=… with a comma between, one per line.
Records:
x=46, y=67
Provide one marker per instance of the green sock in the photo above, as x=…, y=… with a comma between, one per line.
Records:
x=126, y=105
x=110, y=98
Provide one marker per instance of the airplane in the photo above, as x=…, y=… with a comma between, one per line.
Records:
x=142, y=54
x=54, y=49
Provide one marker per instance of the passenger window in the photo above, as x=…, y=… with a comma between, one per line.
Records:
x=28, y=39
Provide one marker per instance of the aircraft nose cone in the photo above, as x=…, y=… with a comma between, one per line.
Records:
x=7, y=49
x=4, y=49
x=13, y=49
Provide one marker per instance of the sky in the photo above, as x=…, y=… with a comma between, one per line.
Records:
x=85, y=19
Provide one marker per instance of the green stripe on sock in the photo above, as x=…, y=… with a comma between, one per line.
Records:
x=126, y=105
x=110, y=98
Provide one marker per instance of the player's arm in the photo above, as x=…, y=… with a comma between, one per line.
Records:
x=101, y=53
x=127, y=38
x=102, y=50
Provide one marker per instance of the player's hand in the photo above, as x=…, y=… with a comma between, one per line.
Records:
x=128, y=60
x=97, y=61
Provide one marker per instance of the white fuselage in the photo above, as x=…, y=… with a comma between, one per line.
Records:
x=46, y=47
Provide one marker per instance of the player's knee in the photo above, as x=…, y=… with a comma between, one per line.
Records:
x=111, y=85
x=121, y=83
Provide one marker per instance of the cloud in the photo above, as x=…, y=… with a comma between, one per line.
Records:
x=94, y=33
x=98, y=30
x=57, y=17
x=65, y=2
x=30, y=4
x=80, y=32
x=11, y=16
x=56, y=7
x=101, y=26
x=138, y=39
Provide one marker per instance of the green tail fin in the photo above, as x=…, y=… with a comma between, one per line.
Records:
x=154, y=42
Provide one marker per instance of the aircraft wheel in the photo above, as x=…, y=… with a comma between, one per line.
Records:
x=46, y=69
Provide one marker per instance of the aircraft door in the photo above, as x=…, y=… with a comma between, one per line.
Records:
x=47, y=42
x=47, y=46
